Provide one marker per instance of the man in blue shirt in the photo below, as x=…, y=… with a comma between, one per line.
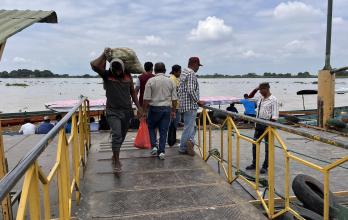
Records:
x=45, y=126
x=249, y=106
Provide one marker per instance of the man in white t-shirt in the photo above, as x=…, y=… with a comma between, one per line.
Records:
x=28, y=128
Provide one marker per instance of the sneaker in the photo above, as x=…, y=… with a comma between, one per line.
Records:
x=250, y=167
x=154, y=151
x=190, y=150
x=161, y=156
x=263, y=170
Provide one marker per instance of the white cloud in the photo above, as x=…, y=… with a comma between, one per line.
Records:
x=286, y=37
x=303, y=48
x=295, y=9
x=151, y=54
x=151, y=40
x=167, y=55
x=20, y=60
x=158, y=55
x=92, y=54
x=337, y=20
x=294, y=45
x=212, y=28
x=250, y=54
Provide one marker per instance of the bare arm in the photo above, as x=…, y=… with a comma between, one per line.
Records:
x=252, y=94
x=134, y=95
x=147, y=97
x=98, y=65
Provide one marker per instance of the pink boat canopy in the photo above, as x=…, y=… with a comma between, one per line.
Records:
x=99, y=104
x=220, y=100
x=66, y=105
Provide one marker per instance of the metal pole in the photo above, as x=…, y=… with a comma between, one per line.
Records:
x=2, y=48
x=328, y=36
x=6, y=202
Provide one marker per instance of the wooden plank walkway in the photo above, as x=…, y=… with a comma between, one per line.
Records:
x=179, y=187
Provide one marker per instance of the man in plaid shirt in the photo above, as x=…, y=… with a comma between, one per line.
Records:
x=188, y=93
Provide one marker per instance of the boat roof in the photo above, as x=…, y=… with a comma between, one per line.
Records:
x=14, y=21
x=99, y=104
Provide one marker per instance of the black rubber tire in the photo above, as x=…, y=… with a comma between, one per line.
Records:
x=305, y=213
x=311, y=193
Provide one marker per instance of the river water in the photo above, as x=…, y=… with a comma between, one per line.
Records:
x=41, y=91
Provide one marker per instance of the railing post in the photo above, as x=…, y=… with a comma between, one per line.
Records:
x=76, y=157
x=237, y=153
x=326, y=195
x=6, y=203
x=204, y=134
x=287, y=181
x=222, y=144
x=229, y=150
x=81, y=137
x=63, y=176
x=270, y=171
x=257, y=172
x=28, y=191
x=88, y=131
x=34, y=195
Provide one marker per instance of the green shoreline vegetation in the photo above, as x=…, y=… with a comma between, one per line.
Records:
x=17, y=84
x=25, y=73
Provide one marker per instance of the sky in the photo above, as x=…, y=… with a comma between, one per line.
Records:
x=229, y=36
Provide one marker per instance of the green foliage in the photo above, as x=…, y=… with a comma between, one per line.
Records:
x=342, y=74
x=17, y=84
x=265, y=75
x=25, y=73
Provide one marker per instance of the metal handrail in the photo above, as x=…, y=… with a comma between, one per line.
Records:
x=206, y=151
x=298, y=131
x=14, y=175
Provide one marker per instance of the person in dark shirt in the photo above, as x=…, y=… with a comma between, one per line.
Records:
x=58, y=118
x=45, y=126
x=231, y=108
x=103, y=123
x=68, y=126
x=120, y=92
x=142, y=80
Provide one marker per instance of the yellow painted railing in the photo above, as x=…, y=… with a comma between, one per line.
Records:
x=71, y=156
x=205, y=126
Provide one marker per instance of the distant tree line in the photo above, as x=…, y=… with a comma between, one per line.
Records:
x=25, y=73
x=265, y=75
x=342, y=74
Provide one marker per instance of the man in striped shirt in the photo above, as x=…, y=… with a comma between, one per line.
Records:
x=267, y=109
x=188, y=93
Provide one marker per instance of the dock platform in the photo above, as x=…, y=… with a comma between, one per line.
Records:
x=179, y=187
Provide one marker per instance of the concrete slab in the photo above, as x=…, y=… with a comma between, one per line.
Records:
x=179, y=187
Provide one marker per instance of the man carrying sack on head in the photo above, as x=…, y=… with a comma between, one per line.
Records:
x=118, y=84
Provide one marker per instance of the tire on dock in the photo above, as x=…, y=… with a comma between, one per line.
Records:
x=311, y=193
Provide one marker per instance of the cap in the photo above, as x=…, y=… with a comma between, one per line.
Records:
x=118, y=61
x=195, y=60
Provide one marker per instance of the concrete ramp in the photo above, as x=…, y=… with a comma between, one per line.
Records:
x=179, y=187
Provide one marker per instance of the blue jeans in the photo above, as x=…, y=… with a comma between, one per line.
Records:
x=158, y=117
x=188, y=134
x=177, y=118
